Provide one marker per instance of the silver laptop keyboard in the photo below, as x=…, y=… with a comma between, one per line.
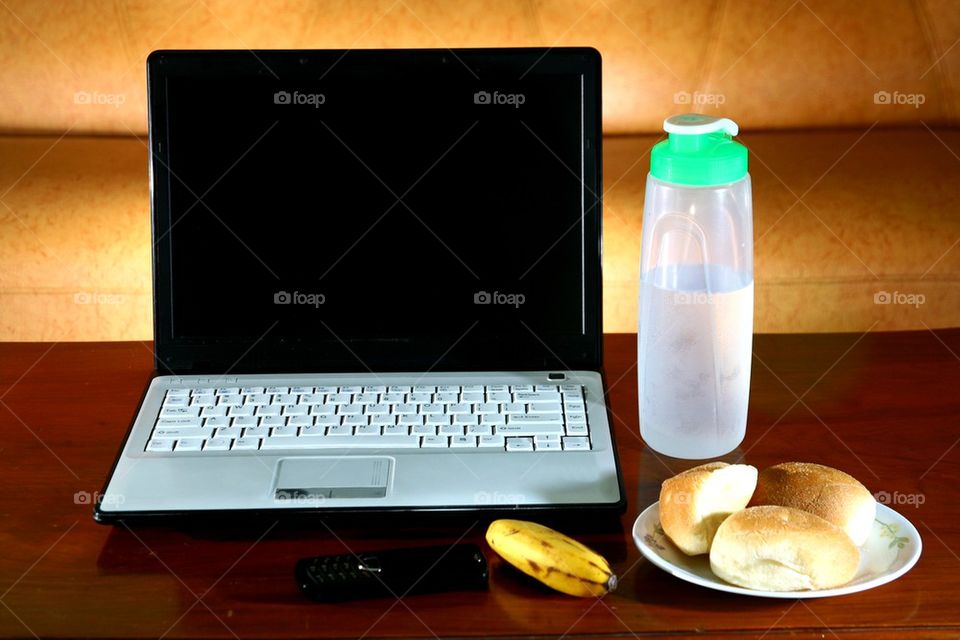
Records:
x=509, y=418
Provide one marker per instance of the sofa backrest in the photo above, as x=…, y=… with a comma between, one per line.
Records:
x=78, y=67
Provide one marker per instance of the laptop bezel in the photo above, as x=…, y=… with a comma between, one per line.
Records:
x=186, y=356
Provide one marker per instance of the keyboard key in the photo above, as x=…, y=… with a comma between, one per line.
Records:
x=325, y=389
x=256, y=432
x=203, y=401
x=217, y=421
x=294, y=410
x=576, y=418
x=272, y=421
x=178, y=422
x=349, y=409
x=547, y=407
x=576, y=444
x=338, y=398
x=546, y=387
x=491, y=442
x=277, y=390
x=351, y=389
x=577, y=430
x=529, y=429
x=423, y=430
x=368, y=430
x=366, y=398
x=300, y=421
x=377, y=409
x=393, y=398
x=535, y=418
x=173, y=393
x=245, y=410
x=160, y=445
x=494, y=419
x=514, y=407
x=228, y=391
x=410, y=418
x=356, y=420
x=323, y=410
x=396, y=430
x=182, y=432
x=258, y=399
x=283, y=432
x=497, y=387
x=327, y=421
x=189, y=444
x=437, y=420
x=217, y=444
x=536, y=396
x=424, y=388
x=399, y=389
x=546, y=437
x=471, y=396
x=446, y=398
x=228, y=432
x=212, y=412
x=486, y=407
x=420, y=398
x=547, y=446
x=448, y=388
x=521, y=388
x=463, y=442
x=176, y=401
x=179, y=412
x=301, y=390
x=519, y=444
x=245, y=421
x=270, y=410
x=341, y=442
x=340, y=430
x=451, y=430
x=376, y=388
x=479, y=430
x=499, y=396
x=311, y=399
x=434, y=442
x=246, y=444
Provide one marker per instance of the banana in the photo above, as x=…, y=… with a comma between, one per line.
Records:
x=551, y=557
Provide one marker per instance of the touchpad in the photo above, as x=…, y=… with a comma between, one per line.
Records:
x=332, y=477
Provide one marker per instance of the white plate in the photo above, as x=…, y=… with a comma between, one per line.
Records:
x=891, y=550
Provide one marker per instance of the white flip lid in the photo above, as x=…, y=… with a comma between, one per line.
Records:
x=692, y=124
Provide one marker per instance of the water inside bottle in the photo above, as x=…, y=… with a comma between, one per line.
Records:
x=695, y=349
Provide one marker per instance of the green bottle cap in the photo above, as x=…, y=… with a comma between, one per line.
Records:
x=699, y=152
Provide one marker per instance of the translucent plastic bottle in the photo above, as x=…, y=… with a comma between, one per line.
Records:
x=695, y=330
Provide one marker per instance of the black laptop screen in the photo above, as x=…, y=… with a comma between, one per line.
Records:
x=364, y=204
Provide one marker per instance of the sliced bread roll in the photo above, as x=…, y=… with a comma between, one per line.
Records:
x=695, y=502
x=824, y=491
x=782, y=549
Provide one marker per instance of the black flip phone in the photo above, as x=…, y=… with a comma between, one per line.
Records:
x=392, y=573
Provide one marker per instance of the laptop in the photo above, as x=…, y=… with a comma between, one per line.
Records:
x=377, y=287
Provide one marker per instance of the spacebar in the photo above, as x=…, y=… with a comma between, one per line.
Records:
x=342, y=442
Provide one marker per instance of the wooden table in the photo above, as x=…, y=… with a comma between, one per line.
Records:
x=883, y=407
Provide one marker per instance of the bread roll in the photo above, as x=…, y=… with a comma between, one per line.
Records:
x=782, y=549
x=695, y=502
x=823, y=491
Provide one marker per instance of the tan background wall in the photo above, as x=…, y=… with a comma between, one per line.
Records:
x=852, y=196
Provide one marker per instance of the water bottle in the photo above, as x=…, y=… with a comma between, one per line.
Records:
x=695, y=333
